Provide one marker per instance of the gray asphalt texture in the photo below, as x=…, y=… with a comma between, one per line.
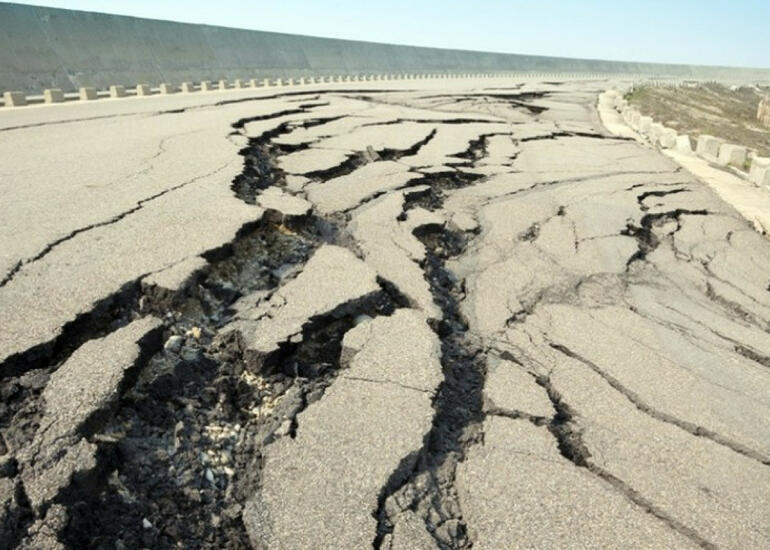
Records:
x=447, y=315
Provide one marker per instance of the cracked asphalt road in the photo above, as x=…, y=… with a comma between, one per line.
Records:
x=460, y=315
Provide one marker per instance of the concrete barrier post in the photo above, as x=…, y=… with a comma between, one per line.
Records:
x=759, y=166
x=645, y=122
x=14, y=99
x=708, y=147
x=88, y=93
x=683, y=144
x=238, y=84
x=223, y=85
x=656, y=130
x=117, y=91
x=167, y=89
x=732, y=155
x=278, y=82
x=764, y=179
x=253, y=83
x=206, y=86
x=53, y=95
x=143, y=90
x=668, y=138
x=188, y=87
x=266, y=82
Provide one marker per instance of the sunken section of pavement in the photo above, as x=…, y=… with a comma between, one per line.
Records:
x=359, y=317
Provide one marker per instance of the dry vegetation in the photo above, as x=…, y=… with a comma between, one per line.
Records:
x=730, y=114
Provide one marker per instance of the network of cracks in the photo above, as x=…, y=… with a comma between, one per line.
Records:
x=180, y=448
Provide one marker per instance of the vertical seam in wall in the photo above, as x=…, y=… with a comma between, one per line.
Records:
x=60, y=61
x=219, y=67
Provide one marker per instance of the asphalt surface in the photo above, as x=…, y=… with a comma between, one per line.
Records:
x=441, y=314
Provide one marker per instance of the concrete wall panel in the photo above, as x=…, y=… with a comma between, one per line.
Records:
x=53, y=48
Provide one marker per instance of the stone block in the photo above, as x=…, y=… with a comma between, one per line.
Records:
x=278, y=82
x=668, y=138
x=290, y=82
x=606, y=100
x=143, y=90
x=254, y=83
x=763, y=112
x=167, y=88
x=645, y=122
x=732, y=155
x=656, y=129
x=223, y=85
x=14, y=99
x=708, y=147
x=88, y=93
x=53, y=95
x=759, y=167
x=188, y=87
x=266, y=83
x=206, y=86
x=764, y=178
x=238, y=84
x=683, y=144
x=117, y=91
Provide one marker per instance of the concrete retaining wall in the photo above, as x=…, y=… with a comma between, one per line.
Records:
x=53, y=48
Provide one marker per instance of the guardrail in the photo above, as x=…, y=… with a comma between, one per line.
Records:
x=55, y=95
x=741, y=160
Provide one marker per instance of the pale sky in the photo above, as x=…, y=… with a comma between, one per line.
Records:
x=704, y=32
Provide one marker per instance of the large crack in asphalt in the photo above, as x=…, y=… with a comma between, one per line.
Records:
x=181, y=453
x=569, y=439
x=428, y=488
x=644, y=407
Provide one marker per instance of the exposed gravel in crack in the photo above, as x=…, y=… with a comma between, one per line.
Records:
x=645, y=233
x=428, y=490
x=182, y=452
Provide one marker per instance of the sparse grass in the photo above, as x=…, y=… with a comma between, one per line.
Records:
x=710, y=109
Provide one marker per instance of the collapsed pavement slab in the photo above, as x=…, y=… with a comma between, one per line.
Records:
x=363, y=435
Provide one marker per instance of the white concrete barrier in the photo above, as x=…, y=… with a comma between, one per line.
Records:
x=656, y=130
x=606, y=100
x=266, y=83
x=88, y=93
x=223, y=85
x=206, y=86
x=188, y=87
x=759, y=167
x=53, y=95
x=143, y=90
x=644, y=124
x=278, y=82
x=683, y=144
x=708, y=147
x=667, y=138
x=238, y=84
x=732, y=155
x=117, y=91
x=14, y=99
x=167, y=89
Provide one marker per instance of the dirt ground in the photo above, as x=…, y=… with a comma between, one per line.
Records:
x=712, y=109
